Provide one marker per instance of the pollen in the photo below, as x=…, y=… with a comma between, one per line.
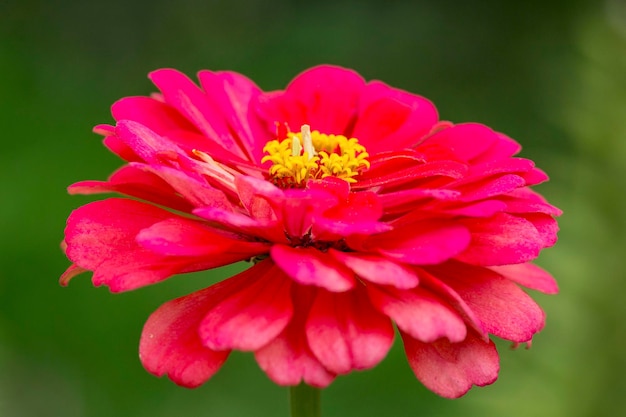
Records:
x=307, y=155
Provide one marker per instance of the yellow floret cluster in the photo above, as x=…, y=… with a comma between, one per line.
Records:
x=333, y=155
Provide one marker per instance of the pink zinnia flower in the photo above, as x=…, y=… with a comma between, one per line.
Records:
x=358, y=208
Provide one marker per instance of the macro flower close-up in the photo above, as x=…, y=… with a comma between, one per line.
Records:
x=359, y=211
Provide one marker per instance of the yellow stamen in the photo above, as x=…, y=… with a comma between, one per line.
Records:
x=312, y=155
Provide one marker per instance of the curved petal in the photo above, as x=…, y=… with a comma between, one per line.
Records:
x=309, y=266
x=450, y=369
x=423, y=243
x=530, y=276
x=100, y=237
x=144, y=142
x=500, y=240
x=134, y=181
x=485, y=187
x=262, y=199
x=325, y=97
x=170, y=344
x=345, y=332
x=392, y=119
x=502, y=307
x=466, y=140
x=234, y=94
x=419, y=313
x=158, y=116
x=186, y=97
x=253, y=315
x=185, y=237
x=287, y=359
x=546, y=225
x=377, y=269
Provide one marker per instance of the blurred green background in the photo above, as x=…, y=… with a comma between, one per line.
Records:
x=550, y=74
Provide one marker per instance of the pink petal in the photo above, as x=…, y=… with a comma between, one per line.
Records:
x=100, y=237
x=528, y=275
x=504, y=147
x=185, y=237
x=534, y=177
x=402, y=201
x=345, y=332
x=450, y=369
x=377, y=269
x=252, y=316
x=359, y=213
x=195, y=191
x=262, y=199
x=144, y=142
x=405, y=118
x=242, y=224
x=170, y=344
x=309, y=266
x=378, y=121
x=287, y=359
x=159, y=117
x=136, y=182
x=485, y=208
x=301, y=206
x=234, y=94
x=501, y=306
x=434, y=285
x=545, y=225
x=519, y=166
x=466, y=140
x=419, y=313
x=329, y=96
x=119, y=148
x=394, y=178
x=490, y=187
x=428, y=242
x=184, y=95
x=500, y=240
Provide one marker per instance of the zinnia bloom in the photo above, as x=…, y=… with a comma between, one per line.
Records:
x=357, y=208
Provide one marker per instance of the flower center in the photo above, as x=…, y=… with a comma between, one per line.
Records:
x=312, y=155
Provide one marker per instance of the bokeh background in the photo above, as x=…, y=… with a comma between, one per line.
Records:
x=550, y=74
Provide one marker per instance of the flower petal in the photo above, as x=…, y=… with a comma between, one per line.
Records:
x=184, y=95
x=450, y=369
x=160, y=117
x=345, y=332
x=234, y=94
x=100, y=237
x=135, y=181
x=419, y=313
x=287, y=359
x=502, y=307
x=252, y=316
x=262, y=199
x=422, y=243
x=500, y=240
x=170, y=343
x=528, y=275
x=185, y=237
x=309, y=266
x=324, y=97
x=392, y=118
x=147, y=144
x=466, y=140
x=377, y=269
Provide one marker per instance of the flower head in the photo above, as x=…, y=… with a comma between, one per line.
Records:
x=359, y=208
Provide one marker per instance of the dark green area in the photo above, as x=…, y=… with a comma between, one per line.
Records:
x=550, y=74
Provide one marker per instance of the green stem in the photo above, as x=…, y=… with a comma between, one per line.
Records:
x=304, y=401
